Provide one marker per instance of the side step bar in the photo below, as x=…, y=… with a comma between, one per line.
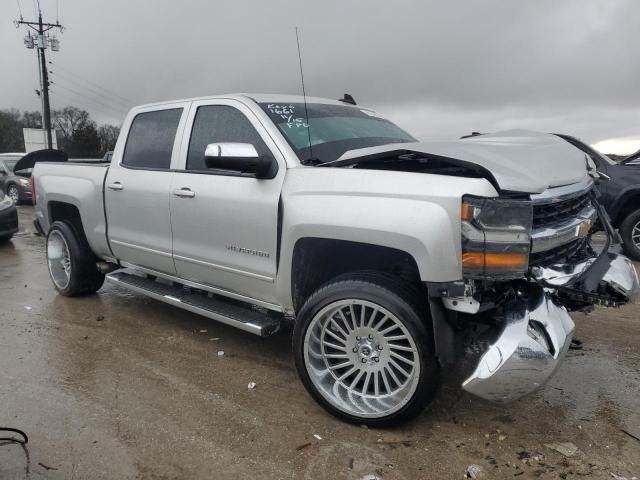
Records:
x=252, y=320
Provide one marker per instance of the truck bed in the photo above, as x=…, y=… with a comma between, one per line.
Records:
x=80, y=184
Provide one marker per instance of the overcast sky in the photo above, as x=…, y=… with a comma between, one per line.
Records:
x=440, y=69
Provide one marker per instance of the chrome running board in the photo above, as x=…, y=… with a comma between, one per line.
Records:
x=244, y=317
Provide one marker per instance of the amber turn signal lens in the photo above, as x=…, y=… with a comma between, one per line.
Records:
x=516, y=261
x=466, y=212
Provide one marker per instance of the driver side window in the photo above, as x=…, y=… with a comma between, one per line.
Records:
x=220, y=124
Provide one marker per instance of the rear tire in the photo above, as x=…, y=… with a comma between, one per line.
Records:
x=395, y=371
x=630, y=232
x=72, y=264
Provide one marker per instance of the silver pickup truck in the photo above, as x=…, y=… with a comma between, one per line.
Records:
x=395, y=258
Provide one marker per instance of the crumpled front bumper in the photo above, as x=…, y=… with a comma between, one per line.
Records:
x=527, y=352
x=537, y=333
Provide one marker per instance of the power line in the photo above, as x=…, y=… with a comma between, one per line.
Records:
x=107, y=97
x=73, y=99
x=65, y=69
x=90, y=99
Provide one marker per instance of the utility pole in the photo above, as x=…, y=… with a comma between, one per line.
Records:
x=42, y=40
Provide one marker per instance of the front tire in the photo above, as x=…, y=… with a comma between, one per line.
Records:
x=630, y=232
x=363, y=347
x=72, y=264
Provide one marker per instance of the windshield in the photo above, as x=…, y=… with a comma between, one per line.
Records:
x=334, y=129
x=10, y=164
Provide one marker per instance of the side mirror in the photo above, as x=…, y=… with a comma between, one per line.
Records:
x=239, y=157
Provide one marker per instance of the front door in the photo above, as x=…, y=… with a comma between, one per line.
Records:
x=137, y=189
x=224, y=223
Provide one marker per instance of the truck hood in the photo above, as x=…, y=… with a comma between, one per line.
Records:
x=518, y=160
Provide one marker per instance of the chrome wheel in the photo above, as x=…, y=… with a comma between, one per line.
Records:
x=361, y=358
x=13, y=194
x=59, y=259
x=635, y=235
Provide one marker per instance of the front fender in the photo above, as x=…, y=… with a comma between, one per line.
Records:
x=363, y=206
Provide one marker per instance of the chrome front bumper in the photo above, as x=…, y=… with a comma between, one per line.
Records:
x=621, y=276
x=537, y=333
x=527, y=352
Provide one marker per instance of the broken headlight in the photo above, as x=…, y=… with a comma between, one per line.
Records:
x=496, y=237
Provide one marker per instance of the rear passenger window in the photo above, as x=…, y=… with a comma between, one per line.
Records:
x=151, y=137
x=220, y=124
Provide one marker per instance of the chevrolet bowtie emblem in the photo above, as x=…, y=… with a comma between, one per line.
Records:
x=584, y=228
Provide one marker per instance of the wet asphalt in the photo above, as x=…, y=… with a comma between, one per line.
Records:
x=117, y=386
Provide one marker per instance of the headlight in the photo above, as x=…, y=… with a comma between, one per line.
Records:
x=496, y=237
x=24, y=182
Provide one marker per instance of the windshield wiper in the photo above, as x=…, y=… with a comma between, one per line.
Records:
x=311, y=162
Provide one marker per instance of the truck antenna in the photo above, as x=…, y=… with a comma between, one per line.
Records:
x=304, y=97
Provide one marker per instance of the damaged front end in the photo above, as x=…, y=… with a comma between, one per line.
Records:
x=523, y=274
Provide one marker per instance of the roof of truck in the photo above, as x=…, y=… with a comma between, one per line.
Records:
x=257, y=97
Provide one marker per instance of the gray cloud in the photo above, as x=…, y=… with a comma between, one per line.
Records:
x=441, y=69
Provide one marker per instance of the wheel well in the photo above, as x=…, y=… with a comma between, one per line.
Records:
x=631, y=204
x=317, y=260
x=61, y=211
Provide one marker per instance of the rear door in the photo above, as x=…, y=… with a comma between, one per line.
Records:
x=225, y=224
x=138, y=184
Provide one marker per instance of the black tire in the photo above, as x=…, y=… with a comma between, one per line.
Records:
x=5, y=238
x=408, y=304
x=84, y=276
x=631, y=247
x=13, y=186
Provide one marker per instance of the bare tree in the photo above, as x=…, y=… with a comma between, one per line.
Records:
x=32, y=119
x=68, y=121
x=10, y=131
x=108, y=134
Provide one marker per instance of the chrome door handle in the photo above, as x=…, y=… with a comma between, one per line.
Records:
x=184, y=192
x=116, y=186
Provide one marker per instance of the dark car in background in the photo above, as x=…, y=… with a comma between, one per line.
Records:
x=14, y=186
x=619, y=184
x=633, y=159
x=8, y=218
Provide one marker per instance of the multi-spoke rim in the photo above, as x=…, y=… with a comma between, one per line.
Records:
x=59, y=259
x=635, y=234
x=13, y=193
x=361, y=358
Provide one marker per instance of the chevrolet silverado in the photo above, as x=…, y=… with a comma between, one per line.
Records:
x=395, y=258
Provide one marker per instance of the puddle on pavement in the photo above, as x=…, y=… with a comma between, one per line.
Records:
x=591, y=381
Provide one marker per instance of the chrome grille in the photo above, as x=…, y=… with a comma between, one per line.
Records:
x=574, y=251
x=557, y=212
